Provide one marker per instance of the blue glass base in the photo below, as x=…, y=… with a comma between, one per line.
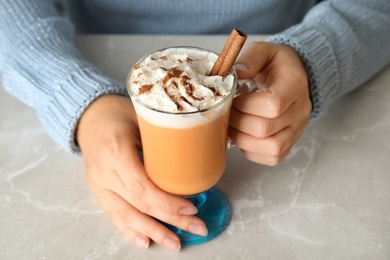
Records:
x=213, y=208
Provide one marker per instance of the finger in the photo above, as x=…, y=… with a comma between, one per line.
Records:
x=270, y=150
x=261, y=127
x=271, y=103
x=265, y=159
x=148, y=206
x=273, y=146
x=253, y=58
x=274, y=136
x=137, y=226
x=257, y=126
x=141, y=193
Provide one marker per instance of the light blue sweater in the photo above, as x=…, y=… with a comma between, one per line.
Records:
x=342, y=43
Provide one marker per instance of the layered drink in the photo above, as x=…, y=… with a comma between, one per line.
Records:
x=183, y=116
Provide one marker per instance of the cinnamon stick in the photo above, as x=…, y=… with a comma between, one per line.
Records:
x=229, y=53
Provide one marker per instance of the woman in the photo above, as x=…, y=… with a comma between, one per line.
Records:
x=317, y=53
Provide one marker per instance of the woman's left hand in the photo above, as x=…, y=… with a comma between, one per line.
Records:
x=266, y=125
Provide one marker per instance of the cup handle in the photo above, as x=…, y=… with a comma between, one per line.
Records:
x=245, y=86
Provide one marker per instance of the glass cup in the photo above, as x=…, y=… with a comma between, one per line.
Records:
x=185, y=154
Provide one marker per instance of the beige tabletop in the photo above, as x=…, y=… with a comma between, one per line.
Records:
x=329, y=199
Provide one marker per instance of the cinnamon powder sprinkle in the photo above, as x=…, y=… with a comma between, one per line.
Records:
x=145, y=88
x=190, y=89
x=215, y=91
x=175, y=72
x=212, y=89
x=172, y=73
x=159, y=58
x=184, y=99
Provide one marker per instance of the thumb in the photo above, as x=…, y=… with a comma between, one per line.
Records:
x=253, y=59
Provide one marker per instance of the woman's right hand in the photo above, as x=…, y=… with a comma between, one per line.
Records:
x=109, y=139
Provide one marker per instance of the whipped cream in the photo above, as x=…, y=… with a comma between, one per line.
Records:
x=176, y=80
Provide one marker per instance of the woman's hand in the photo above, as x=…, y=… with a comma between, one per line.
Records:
x=109, y=139
x=266, y=125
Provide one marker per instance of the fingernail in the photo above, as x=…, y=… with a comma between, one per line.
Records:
x=188, y=210
x=142, y=242
x=198, y=229
x=171, y=244
x=240, y=66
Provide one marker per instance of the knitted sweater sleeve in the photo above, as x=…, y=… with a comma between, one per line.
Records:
x=343, y=43
x=42, y=67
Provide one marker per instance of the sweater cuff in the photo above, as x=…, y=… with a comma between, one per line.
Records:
x=320, y=62
x=67, y=106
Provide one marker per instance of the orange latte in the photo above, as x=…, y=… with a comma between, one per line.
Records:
x=183, y=118
x=185, y=161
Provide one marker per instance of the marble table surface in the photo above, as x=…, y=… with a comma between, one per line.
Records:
x=329, y=199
